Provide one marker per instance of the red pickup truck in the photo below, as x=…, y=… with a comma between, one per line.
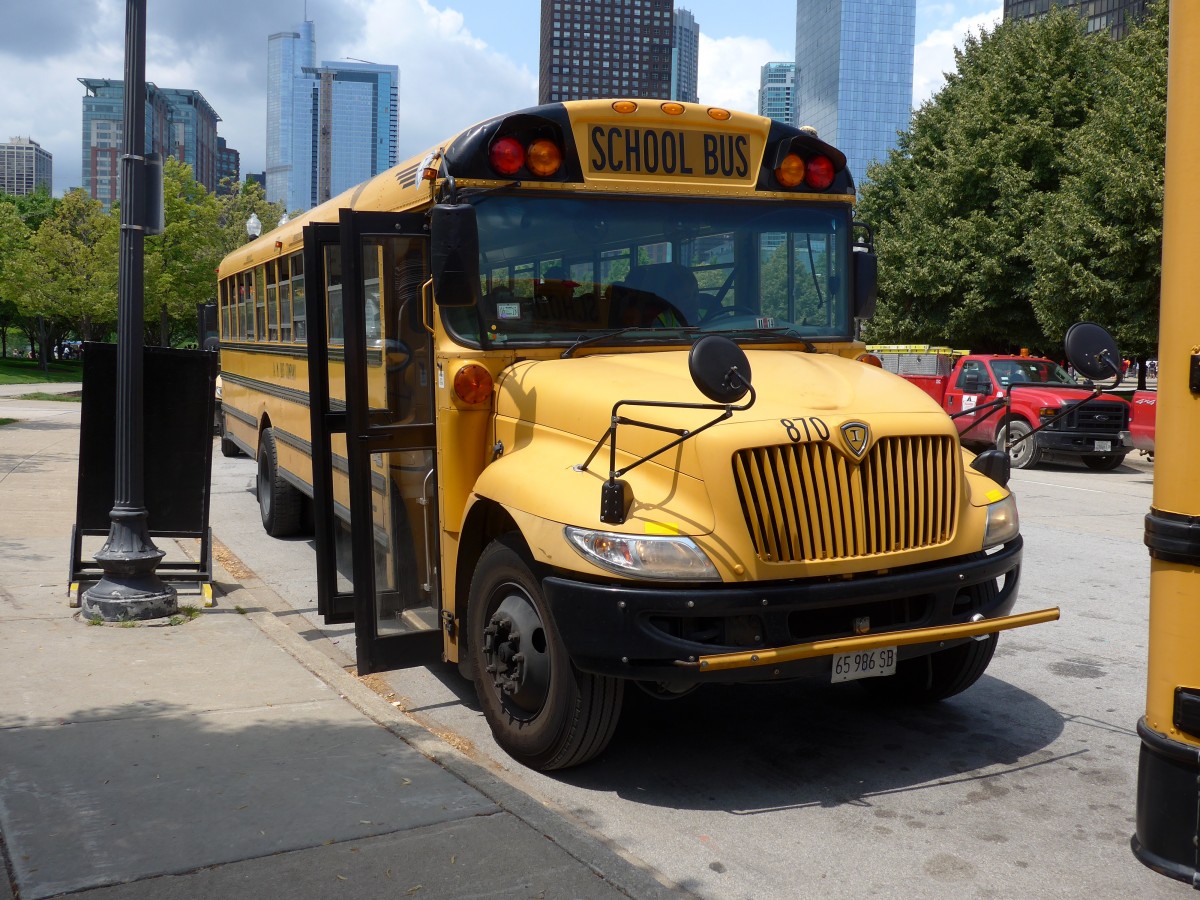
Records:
x=1141, y=421
x=1094, y=431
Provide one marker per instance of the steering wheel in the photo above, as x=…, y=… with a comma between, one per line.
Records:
x=722, y=311
x=397, y=355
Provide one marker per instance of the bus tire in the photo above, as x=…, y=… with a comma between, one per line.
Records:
x=1024, y=455
x=279, y=502
x=937, y=676
x=543, y=712
x=228, y=447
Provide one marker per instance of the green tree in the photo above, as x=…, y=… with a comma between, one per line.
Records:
x=180, y=263
x=955, y=203
x=235, y=209
x=1098, y=250
x=33, y=208
x=62, y=276
x=14, y=237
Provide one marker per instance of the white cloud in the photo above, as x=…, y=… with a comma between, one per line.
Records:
x=449, y=79
x=934, y=56
x=730, y=70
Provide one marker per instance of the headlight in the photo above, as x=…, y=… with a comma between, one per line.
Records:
x=1002, y=522
x=643, y=556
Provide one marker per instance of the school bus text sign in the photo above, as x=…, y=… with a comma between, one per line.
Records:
x=633, y=151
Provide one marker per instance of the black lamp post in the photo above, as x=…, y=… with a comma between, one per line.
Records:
x=130, y=588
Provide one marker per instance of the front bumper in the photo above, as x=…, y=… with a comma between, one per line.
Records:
x=1082, y=443
x=768, y=631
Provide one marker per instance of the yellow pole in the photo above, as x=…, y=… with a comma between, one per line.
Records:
x=1168, y=793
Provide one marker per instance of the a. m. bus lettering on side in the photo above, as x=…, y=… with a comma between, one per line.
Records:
x=644, y=151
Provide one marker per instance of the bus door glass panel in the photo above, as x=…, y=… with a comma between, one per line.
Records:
x=335, y=329
x=336, y=381
x=400, y=396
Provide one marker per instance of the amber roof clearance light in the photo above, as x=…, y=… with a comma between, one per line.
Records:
x=543, y=158
x=790, y=172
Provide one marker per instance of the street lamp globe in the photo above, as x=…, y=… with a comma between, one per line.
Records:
x=283, y=220
x=253, y=226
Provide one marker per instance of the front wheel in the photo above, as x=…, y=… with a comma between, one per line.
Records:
x=1103, y=463
x=927, y=679
x=1024, y=455
x=543, y=712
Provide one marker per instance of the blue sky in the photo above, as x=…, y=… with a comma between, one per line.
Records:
x=460, y=60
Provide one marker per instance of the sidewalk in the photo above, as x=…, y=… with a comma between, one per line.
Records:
x=228, y=756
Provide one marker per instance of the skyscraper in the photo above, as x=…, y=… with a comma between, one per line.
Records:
x=777, y=92
x=179, y=123
x=685, y=56
x=1114, y=16
x=854, y=65
x=329, y=127
x=25, y=167
x=289, y=116
x=604, y=48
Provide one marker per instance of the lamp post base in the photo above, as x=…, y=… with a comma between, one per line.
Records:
x=130, y=589
x=124, y=598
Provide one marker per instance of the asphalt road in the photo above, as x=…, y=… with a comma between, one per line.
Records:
x=1023, y=786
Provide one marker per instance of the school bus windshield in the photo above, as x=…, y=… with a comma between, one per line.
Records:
x=557, y=269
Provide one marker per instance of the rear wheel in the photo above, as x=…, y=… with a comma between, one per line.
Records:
x=543, y=711
x=279, y=503
x=1024, y=455
x=1103, y=463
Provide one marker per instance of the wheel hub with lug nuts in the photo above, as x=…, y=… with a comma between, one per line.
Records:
x=514, y=647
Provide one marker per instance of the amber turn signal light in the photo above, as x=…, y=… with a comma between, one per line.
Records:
x=473, y=384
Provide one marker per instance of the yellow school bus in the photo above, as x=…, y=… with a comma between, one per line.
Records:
x=576, y=402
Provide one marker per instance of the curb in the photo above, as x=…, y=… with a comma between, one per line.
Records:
x=603, y=857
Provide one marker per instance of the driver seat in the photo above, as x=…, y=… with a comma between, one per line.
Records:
x=671, y=282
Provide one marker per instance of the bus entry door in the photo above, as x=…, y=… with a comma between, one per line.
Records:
x=372, y=408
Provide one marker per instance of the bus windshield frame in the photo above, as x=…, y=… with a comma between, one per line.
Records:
x=558, y=269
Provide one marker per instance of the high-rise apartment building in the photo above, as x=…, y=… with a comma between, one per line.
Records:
x=605, y=48
x=777, y=92
x=685, y=57
x=179, y=123
x=229, y=167
x=854, y=65
x=329, y=127
x=25, y=167
x=1113, y=16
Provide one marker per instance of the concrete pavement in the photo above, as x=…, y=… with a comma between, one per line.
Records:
x=229, y=755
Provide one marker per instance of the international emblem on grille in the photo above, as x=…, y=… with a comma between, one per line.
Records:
x=857, y=436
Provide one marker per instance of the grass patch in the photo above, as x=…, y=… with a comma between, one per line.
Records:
x=239, y=610
x=65, y=397
x=29, y=371
x=7, y=421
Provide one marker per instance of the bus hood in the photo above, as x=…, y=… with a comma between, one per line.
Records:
x=800, y=397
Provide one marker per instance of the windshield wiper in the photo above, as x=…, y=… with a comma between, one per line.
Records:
x=779, y=331
x=608, y=335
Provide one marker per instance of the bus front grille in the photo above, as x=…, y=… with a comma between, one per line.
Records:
x=808, y=502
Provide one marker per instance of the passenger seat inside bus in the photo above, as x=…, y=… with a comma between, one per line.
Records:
x=669, y=281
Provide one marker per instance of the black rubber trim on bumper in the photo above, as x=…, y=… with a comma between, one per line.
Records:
x=1168, y=806
x=1173, y=537
x=1079, y=443
x=609, y=628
